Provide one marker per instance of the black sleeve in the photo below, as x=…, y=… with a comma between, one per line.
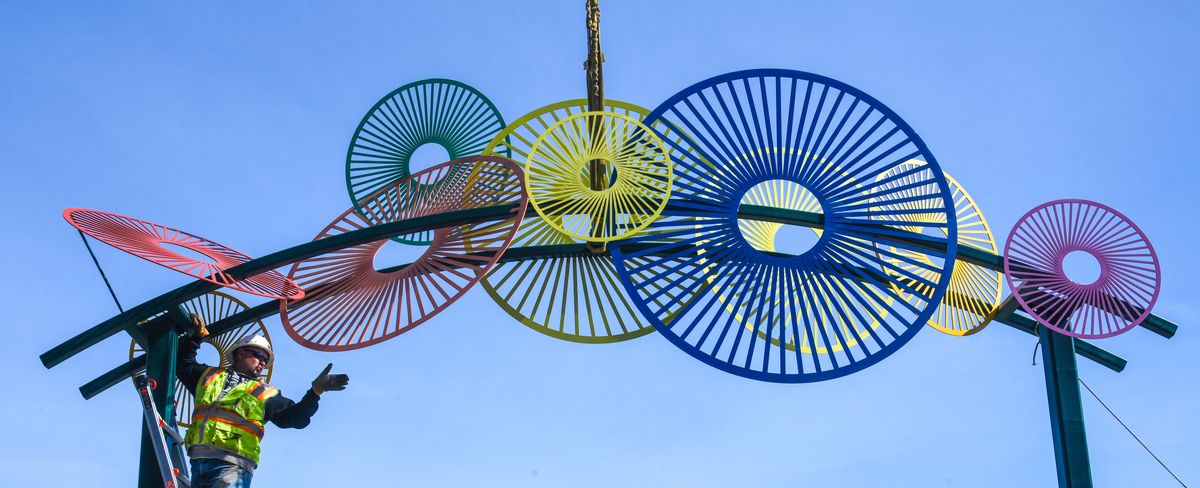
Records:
x=186, y=368
x=285, y=413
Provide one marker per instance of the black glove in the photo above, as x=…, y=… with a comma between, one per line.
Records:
x=329, y=382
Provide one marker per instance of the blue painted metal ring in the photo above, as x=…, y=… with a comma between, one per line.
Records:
x=842, y=305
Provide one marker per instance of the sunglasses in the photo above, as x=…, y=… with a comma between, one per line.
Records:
x=261, y=356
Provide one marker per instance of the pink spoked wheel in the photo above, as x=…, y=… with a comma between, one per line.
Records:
x=154, y=243
x=1121, y=296
x=351, y=305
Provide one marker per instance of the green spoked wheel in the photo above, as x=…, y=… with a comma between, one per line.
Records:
x=448, y=113
x=576, y=295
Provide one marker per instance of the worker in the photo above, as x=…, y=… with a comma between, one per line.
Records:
x=233, y=406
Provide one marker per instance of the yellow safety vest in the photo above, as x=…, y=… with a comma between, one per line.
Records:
x=233, y=422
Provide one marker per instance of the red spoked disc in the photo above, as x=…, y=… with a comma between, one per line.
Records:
x=150, y=241
x=350, y=305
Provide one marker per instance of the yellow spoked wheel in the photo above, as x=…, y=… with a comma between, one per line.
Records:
x=974, y=292
x=574, y=297
x=211, y=307
x=635, y=176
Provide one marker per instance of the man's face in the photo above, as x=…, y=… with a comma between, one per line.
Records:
x=245, y=361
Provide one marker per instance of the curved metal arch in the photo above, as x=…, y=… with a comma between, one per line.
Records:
x=1153, y=323
x=129, y=318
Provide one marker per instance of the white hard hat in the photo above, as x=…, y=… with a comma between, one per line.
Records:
x=255, y=341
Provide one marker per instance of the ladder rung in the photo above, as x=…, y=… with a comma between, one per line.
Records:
x=171, y=431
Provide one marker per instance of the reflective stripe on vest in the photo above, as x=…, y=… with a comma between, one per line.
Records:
x=262, y=391
x=229, y=417
x=210, y=374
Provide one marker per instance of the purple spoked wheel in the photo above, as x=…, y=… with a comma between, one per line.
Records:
x=1118, y=300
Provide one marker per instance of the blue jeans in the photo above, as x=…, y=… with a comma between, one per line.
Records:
x=214, y=473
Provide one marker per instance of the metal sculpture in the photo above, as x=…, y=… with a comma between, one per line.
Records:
x=1118, y=300
x=738, y=130
x=438, y=111
x=146, y=240
x=214, y=307
x=883, y=223
x=352, y=305
x=690, y=198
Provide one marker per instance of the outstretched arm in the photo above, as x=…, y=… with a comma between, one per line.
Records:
x=288, y=414
x=284, y=412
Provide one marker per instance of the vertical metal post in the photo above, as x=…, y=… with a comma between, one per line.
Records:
x=1066, y=409
x=163, y=348
x=597, y=169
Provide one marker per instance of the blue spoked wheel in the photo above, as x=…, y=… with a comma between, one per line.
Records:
x=843, y=304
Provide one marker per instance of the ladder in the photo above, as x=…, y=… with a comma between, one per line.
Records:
x=168, y=452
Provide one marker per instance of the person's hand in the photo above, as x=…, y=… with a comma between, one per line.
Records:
x=200, y=331
x=329, y=382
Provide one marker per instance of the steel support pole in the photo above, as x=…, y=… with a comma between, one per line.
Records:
x=1066, y=409
x=160, y=367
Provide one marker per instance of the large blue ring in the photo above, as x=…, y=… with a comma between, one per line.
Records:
x=846, y=303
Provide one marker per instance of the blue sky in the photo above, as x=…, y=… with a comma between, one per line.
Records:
x=231, y=121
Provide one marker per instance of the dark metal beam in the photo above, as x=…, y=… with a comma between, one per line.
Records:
x=1005, y=315
x=127, y=320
